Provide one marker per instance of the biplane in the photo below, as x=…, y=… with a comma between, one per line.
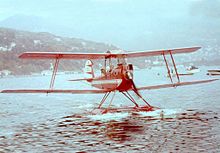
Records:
x=114, y=76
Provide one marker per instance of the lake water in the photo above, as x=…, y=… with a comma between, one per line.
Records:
x=64, y=122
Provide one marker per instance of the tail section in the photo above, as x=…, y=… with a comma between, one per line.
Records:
x=88, y=70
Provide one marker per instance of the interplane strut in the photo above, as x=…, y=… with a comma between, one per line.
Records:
x=168, y=69
x=54, y=73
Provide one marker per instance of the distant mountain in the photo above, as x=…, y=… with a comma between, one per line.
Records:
x=22, y=22
x=35, y=24
x=14, y=42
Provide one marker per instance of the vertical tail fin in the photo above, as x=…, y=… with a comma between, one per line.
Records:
x=88, y=70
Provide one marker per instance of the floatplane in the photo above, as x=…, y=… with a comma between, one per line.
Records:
x=114, y=76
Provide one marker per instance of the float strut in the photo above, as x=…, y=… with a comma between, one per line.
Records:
x=130, y=98
x=143, y=99
x=103, y=99
x=111, y=100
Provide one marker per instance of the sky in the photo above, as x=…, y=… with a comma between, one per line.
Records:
x=128, y=24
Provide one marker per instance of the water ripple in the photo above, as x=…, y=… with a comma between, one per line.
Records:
x=188, y=131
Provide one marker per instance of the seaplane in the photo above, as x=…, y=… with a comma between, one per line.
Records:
x=115, y=76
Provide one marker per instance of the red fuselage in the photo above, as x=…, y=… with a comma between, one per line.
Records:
x=118, y=78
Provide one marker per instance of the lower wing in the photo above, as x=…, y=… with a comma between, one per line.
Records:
x=103, y=91
x=55, y=91
x=174, y=84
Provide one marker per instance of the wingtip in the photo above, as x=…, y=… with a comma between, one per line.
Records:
x=2, y=91
x=214, y=80
x=207, y=81
x=196, y=48
x=22, y=55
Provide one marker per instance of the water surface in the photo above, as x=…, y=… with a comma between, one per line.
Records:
x=63, y=123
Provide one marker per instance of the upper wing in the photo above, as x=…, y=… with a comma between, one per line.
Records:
x=62, y=55
x=54, y=91
x=161, y=52
x=175, y=84
x=70, y=55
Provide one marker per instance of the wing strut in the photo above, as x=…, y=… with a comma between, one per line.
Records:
x=174, y=65
x=168, y=69
x=54, y=73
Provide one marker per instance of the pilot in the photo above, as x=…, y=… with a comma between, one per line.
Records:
x=103, y=72
x=111, y=68
x=119, y=66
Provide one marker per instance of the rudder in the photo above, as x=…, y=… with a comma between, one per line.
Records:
x=88, y=70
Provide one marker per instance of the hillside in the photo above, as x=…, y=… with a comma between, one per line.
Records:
x=14, y=42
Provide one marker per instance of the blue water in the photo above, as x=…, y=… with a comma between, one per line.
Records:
x=63, y=122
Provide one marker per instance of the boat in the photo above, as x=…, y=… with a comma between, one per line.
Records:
x=192, y=69
x=213, y=72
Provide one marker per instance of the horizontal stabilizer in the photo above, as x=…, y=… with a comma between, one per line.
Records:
x=81, y=79
x=175, y=84
x=87, y=79
x=54, y=91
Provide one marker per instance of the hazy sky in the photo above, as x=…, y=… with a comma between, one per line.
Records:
x=129, y=24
